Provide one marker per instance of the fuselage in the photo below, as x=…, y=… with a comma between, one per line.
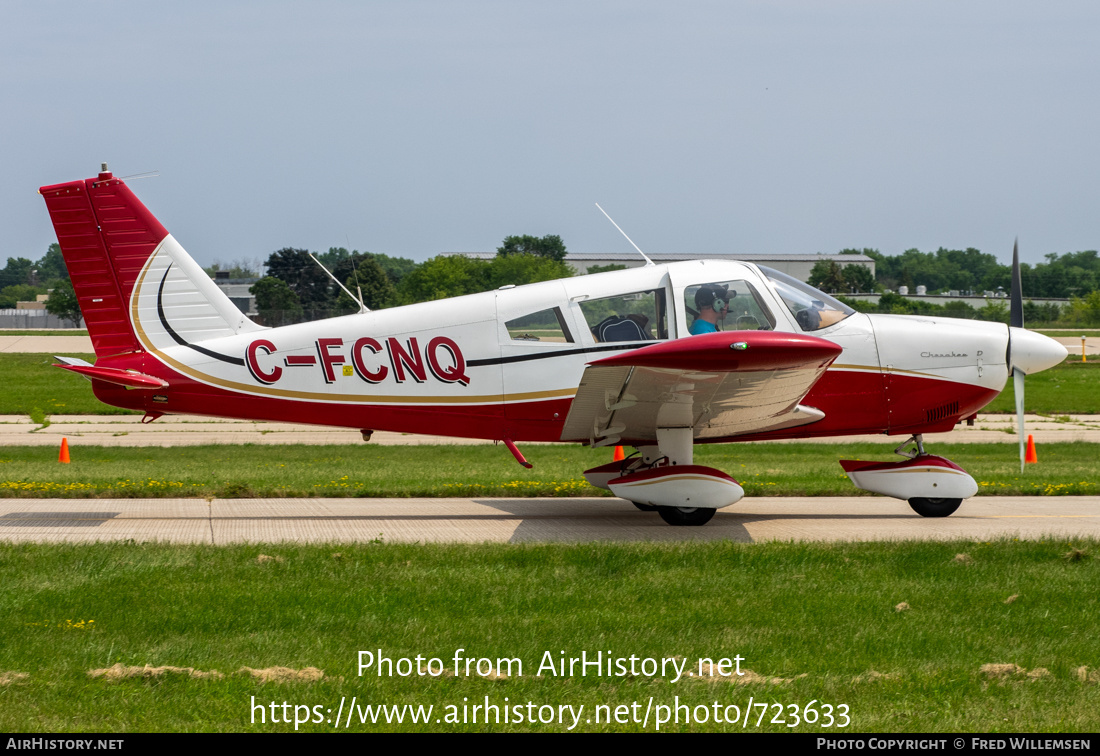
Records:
x=507, y=363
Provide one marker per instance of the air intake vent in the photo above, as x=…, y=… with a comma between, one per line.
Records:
x=943, y=412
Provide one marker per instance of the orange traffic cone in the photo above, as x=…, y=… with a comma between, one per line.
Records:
x=64, y=456
x=619, y=455
x=1029, y=455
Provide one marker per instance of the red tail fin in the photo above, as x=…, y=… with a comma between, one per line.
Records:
x=106, y=236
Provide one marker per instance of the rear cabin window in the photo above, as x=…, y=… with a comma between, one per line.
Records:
x=545, y=325
x=638, y=316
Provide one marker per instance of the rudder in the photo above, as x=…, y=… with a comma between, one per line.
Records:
x=106, y=236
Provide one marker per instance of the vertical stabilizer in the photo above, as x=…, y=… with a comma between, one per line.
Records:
x=109, y=240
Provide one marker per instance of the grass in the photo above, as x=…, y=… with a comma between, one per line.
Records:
x=31, y=383
x=1071, y=388
x=822, y=618
x=439, y=471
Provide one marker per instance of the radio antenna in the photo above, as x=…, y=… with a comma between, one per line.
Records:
x=146, y=174
x=616, y=225
x=355, y=272
x=362, y=307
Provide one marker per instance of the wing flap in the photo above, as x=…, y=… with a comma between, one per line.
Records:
x=720, y=385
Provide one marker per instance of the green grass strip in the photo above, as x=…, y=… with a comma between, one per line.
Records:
x=32, y=386
x=1071, y=388
x=365, y=470
x=898, y=632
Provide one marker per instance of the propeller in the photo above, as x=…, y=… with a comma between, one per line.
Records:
x=1028, y=352
x=1016, y=320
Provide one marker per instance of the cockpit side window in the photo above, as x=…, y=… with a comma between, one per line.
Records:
x=812, y=309
x=638, y=316
x=726, y=306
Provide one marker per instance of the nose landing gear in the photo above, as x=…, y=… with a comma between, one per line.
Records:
x=933, y=486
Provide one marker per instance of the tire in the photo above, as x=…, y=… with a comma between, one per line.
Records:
x=934, y=507
x=686, y=515
x=644, y=507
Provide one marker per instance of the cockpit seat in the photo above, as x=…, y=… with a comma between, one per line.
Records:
x=616, y=328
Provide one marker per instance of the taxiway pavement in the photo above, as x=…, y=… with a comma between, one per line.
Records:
x=236, y=521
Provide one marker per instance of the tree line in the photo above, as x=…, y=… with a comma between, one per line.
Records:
x=1074, y=276
x=963, y=270
x=295, y=288
x=23, y=280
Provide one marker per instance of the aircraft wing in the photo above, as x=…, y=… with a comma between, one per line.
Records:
x=719, y=384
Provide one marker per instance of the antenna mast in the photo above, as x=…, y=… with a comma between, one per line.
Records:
x=616, y=225
x=362, y=307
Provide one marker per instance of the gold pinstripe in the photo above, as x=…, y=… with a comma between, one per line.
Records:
x=916, y=470
x=670, y=478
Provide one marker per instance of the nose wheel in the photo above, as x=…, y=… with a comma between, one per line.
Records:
x=933, y=486
x=926, y=507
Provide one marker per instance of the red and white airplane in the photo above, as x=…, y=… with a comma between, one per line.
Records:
x=606, y=359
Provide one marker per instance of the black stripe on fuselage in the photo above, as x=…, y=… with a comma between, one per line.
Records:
x=555, y=353
x=472, y=363
x=179, y=339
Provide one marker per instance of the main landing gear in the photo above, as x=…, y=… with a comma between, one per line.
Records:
x=662, y=478
x=686, y=515
x=933, y=486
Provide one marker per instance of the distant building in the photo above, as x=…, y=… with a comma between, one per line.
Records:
x=237, y=289
x=798, y=266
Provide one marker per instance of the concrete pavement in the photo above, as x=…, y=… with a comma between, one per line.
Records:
x=229, y=521
x=46, y=344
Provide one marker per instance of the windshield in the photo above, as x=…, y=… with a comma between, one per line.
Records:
x=812, y=309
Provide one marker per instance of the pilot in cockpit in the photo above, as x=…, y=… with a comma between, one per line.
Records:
x=712, y=301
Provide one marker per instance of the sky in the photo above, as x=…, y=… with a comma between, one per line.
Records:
x=421, y=127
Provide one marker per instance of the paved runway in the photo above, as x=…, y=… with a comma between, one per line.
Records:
x=227, y=521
